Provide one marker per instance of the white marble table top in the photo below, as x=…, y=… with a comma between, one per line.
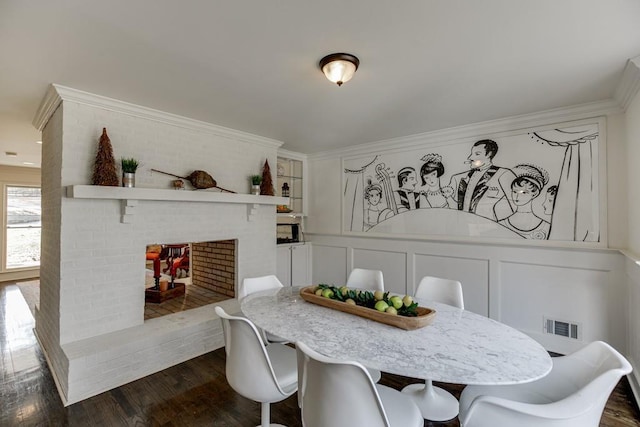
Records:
x=457, y=347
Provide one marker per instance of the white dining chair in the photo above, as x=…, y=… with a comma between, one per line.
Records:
x=435, y=403
x=256, y=284
x=573, y=394
x=263, y=373
x=362, y=278
x=338, y=393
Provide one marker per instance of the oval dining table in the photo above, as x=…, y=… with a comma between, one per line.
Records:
x=458, y=346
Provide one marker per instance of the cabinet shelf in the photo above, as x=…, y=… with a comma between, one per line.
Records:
x=290, y=175
x=290, y=215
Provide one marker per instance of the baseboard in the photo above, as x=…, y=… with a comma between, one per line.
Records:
x=61, y=393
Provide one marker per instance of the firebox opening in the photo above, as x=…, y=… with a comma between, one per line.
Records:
x=182, y=276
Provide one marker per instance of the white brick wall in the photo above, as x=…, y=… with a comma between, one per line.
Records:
x=91, y=321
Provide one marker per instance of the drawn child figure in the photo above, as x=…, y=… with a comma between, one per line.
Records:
x=373, y=194
x=549, y=201
x=529, y=182
x=432, y=194
x=408, y=198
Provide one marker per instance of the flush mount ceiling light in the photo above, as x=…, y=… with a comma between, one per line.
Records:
x=339, y=67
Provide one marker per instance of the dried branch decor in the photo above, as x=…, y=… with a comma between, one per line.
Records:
x=104, y=169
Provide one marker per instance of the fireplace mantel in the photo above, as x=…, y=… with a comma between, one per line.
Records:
x=131, y=196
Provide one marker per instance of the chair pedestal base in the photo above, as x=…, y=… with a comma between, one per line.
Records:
x=435, y=403
x=265, y=413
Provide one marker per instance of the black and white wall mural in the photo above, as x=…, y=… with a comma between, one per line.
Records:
x=536, y=184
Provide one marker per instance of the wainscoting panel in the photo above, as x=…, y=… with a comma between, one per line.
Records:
x=632, y=270
x=472, y=273
x=516, y=285
x=572, y=295
x=392, y=264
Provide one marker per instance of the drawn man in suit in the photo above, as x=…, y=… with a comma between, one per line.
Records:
x=485, y=189
x=407, y=198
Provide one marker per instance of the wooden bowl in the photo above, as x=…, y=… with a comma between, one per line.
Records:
x=425, y=315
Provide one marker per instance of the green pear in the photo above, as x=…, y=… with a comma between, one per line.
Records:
x=407, y=300
x=381, y=306
x=396, y=301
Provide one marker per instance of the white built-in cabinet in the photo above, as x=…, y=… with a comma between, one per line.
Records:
x=293, y=264
x=294, y=259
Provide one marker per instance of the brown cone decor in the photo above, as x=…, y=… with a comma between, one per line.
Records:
x=104, y=169
x=266, y=186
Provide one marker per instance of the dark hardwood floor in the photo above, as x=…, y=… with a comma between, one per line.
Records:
x=194, y=393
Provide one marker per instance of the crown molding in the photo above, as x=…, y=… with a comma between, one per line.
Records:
x=47, y=107
x=292, y=154
x=629, y=84
x=474, y=130
x=57, y=94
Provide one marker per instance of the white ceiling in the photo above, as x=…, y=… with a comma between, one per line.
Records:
x=252, y=65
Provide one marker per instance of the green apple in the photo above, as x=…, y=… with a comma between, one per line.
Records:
x=391, y=310
x=344, y=290
x=378, y=295
x=350, y=301
x=318, y=292
x=396, y=301
x=407, y=300
x=381, y=306
x=327, y=293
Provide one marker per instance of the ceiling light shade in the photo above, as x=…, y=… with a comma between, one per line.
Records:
x=339, y=67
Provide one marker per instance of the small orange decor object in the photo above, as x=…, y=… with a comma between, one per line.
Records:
x=164, y=285
x=425, y=315
x=157, y=296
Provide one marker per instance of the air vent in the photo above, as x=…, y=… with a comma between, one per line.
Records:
x=562, y=328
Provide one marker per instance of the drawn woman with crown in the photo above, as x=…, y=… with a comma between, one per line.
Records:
x=529, y=182
x=432, y=194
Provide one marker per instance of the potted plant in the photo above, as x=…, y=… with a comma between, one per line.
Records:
x=256, y=180
x=129, y=167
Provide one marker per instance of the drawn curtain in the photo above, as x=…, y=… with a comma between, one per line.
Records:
x=354, y=191
x=573, y=208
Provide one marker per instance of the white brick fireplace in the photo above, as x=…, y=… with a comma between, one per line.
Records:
x=91, y=316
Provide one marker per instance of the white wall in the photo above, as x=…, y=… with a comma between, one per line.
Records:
x=91, y=318
x=516, y=284
x=632, y=122
x=632, y=269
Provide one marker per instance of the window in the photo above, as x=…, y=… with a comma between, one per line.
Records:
x=23, y=227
